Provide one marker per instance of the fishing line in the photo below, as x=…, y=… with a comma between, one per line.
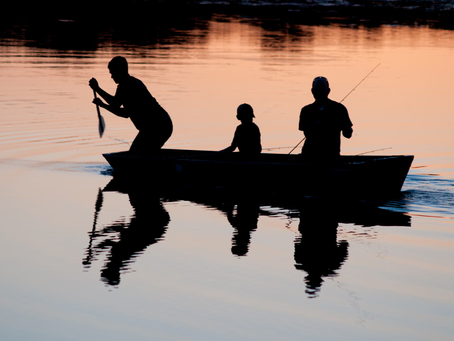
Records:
x=341, y=101
x=119, y=140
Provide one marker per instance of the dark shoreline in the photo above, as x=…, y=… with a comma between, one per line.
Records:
x=437, y=14
x=129, y=24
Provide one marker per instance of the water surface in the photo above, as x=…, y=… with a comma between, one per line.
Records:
x=80, y=263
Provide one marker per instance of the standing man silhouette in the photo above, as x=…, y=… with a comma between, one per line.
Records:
x=322, y=123
x=133, y=100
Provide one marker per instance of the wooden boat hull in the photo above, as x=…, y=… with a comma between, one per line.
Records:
x=348, y=176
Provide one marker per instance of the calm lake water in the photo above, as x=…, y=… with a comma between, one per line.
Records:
x=79, y=263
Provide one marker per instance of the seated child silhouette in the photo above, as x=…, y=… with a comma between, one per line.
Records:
x=247, y=134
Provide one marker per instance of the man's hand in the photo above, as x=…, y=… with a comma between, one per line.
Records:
x=93, y=83
x=347, y=132
x=99, y=102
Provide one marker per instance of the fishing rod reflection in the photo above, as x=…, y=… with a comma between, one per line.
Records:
x=319, y=249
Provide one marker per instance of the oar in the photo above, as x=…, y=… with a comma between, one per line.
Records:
x=341, y=101
x=102, y=124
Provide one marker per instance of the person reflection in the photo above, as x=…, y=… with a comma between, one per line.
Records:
x=317, y=251
x=127, y=241
x=244, y=221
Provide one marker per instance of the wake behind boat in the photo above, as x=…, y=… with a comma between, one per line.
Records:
x=361, y=175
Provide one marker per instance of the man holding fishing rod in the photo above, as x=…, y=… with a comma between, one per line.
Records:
x=133, y=100
x=322, y=123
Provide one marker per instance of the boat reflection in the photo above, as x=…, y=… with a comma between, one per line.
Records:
x=317, y=250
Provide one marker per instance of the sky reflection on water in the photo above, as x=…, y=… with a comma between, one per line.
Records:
x=181, y=276
x=201, y=77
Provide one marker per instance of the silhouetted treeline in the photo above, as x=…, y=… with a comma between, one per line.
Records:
x=89, y=24
x=376, y=12
x=80, y=24
x=96, y=10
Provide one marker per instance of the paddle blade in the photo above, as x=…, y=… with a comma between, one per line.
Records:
x=101, y=126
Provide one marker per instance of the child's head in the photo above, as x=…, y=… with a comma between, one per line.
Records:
x=245, y=112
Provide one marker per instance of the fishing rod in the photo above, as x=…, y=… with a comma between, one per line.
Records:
x=375, y=150
x=274, y=148
x=360, y=82
x=341, y=101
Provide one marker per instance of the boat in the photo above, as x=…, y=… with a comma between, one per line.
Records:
x=358, y=175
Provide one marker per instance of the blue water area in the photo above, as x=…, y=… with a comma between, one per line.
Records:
x=429, y=195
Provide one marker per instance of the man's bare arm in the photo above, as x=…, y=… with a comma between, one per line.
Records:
x=112, y=105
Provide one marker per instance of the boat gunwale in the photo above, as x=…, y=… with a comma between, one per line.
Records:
x=235, y=158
